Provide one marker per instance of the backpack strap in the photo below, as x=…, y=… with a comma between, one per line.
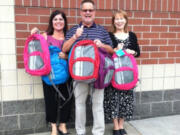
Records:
x=56, y=89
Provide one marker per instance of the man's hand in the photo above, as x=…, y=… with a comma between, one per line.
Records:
x=79, y=32
x=98, y=43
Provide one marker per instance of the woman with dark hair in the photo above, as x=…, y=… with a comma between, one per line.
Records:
x=118, y=104
x=54, y=35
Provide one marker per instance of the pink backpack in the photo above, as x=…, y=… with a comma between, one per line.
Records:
x=36, y=56
x=125, y=76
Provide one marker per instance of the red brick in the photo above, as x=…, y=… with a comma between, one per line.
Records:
x=147, y=4
x=151, y=22
x=50, y=3
x=158, y=55
x=177, y=60
x=121, y=4
x=27, y=19
x=37, y=11
x=27, y=3
x=72, y=12
x=20, y=42
x=176, y=5
x=160, y=15
x=167, y=48
x=102, y=13
x=141, y=28
x=150, y=35
x=107, y=21
x=173, y=54
x=175, y=15
x=43, y=3
x=158, y=5
x=142, y=14
x=22, y=34
x=174, y=41
x=144, y=55
x=128, y=4
x=153, y=5
x=108, y=4
x=159, y=29
x=169, y=22
x=20, y=58
x=19, y=10
x=150, y=48
x=177, y=48
x=135, y=21
x=149, y=61
x=170, y=6
x=141, y=4
x=71, y=19
x=65, y=3
x=21, y=26
x=35, y=3
x=44, y=19
x=134, y=4
x=166, y=61
x=138, y=61
x=164, y=5
x=18, y=2
x=159, y=42
x=41, y=27
x=168, y=35
x=20, y=65
x=144, y=42
x=73, y=4
x=101, y=4
x=115, y=5
x=19, y=50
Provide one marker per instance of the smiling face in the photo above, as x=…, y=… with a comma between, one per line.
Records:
x=120, y=22
x=58, y=22
x=87, y=13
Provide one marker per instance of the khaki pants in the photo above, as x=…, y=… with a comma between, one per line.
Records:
x=81, y=93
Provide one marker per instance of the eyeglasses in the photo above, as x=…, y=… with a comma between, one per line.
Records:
x=88, y=10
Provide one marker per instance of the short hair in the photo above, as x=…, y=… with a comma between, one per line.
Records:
x=87, y=1
x=124, y=14
x=50, y=28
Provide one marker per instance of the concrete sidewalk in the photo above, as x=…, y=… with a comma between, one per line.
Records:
x=169, y=125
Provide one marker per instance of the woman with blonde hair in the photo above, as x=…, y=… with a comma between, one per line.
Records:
x=118, y=104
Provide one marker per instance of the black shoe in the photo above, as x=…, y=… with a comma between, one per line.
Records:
x=116, y=132
x=122, y=132
x=61, y=133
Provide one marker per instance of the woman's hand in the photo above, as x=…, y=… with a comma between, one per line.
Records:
x=63, y=55
x=35, y=30
x=129, y=51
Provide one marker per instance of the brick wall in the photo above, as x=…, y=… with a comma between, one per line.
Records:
x=156, y=23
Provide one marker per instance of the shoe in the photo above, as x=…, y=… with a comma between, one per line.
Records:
x=122, y=132
x=61, y=133
x=116, y=132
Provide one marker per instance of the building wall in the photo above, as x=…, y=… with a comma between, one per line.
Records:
x=156, y=23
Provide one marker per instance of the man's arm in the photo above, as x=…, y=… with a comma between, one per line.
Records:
x=68, y=44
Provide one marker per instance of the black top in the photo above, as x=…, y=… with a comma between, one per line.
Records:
x=129, y=43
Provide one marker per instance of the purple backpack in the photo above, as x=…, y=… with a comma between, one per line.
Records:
x=106, y=70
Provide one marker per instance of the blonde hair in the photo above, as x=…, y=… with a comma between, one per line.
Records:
x=124, y=14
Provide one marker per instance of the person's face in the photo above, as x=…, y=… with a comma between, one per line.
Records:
x=87, y=13
x=120, y=22
x=58, y=22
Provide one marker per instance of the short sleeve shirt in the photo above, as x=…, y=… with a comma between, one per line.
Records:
x=93, y=32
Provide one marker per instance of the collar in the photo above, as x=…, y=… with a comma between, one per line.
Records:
x=92, y=26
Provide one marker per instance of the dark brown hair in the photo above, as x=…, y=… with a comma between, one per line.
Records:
x=50, y=28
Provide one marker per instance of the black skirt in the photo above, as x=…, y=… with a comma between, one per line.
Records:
x=118, y=103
